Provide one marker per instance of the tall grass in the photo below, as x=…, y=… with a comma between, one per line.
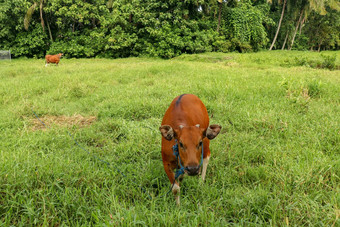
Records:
x=276, y=162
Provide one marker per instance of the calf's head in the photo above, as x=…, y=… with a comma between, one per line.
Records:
x=190, y=142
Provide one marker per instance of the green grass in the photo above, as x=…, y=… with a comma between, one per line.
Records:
x=276, y=161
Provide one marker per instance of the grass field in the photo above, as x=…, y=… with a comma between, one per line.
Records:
x=276, y=161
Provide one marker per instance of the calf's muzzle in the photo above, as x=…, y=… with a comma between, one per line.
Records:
x=192, y=170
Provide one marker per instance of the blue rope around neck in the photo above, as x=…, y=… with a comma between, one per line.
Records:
x=181, y=170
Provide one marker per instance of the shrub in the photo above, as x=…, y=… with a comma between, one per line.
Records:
x=222, y=45
x=30, y=43
x=301, y=61
x=314, y=88
x=328, y=61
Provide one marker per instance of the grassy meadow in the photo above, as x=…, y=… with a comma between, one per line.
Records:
x=276, y=161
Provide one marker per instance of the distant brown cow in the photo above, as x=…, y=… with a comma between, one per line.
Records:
x=53, y=59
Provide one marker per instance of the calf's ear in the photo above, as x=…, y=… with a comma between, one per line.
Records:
x=167, y=132
x=212, y=131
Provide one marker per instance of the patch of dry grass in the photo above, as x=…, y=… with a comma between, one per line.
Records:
x=62, y=121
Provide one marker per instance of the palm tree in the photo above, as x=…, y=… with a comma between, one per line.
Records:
x=28, y=16
x=307, y=6
x=278, y=27
x=220, y=2
x=285, y=41
x=296, y=28
x=29, y=13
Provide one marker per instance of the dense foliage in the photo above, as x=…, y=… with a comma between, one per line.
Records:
x=121, y=28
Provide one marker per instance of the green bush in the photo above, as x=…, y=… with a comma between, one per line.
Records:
x=301, y=61
x=328, y=61
x=30, y=43
x=314, y=88
x=244, y=26
x=222, y=45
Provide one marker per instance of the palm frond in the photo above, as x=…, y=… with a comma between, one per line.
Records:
x=28, y=15
x=318, y=6
x=334, y=4
x=109, y=4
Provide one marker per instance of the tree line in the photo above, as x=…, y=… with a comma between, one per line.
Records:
x=123, y=28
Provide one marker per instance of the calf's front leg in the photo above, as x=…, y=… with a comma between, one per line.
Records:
x=175, y=186
x=205, y=165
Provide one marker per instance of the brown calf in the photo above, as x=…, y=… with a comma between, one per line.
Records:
x=53, y=59
x=186, y=122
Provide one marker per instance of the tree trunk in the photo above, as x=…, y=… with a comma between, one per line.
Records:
x=278, y=27
x=49, y=30
x=219, y=17
x=296, y=29
x=41, y=15
x=319, y=47
x=284, y=43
